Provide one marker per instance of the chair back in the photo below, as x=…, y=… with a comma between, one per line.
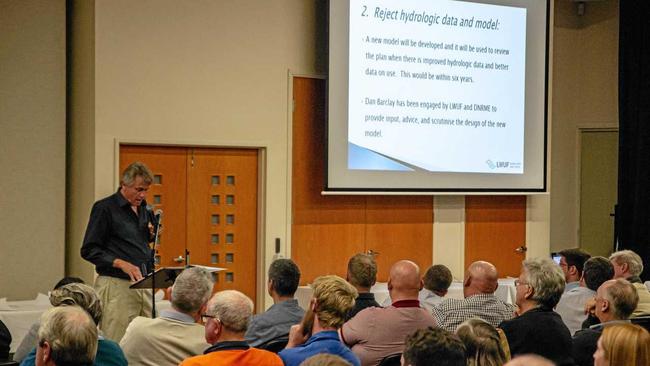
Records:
x=275, y=345
x=392, y=360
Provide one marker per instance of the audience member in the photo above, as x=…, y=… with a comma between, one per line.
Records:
x=538, y=329
x=572, y=303
x=362, y=274
x=109, y=353
x=482, y=343
x=67, y=337
x=629, y=265
x=481, y=280
x=28, y=342
x=529, y=360
x=5, y=341
x=433, y=346
x=317, y=333
x=571, y=263
x=437, y=280
x=375, y=333
x=284, y=278
x=615, y=302
x=175, y=334
x=226, y=320
x=325, y=359
x=623, y=344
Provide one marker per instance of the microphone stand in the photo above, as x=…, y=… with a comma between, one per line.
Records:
x=157, y=221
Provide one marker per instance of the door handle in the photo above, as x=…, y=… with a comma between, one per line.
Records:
x=371, y=252
x=179, y=259
x=522, y=249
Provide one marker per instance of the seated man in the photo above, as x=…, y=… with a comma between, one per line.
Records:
x=572, y=303
x=5, y=341
x=379, y=332
x=628, y=265
x=317, y=333
x=615, y=302
x=362, y=274
x=284, y=277
x=433, y=346
x=175, y=335
x=109, y=353
x=481, y=281
x=226, y=320
x=437, y=280
x=538, y=329
x=572, y=262
x=67, y=337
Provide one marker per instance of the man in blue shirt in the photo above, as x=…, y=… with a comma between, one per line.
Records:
x=333, y=298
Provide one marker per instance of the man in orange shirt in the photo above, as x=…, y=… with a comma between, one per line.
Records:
x=226, y=320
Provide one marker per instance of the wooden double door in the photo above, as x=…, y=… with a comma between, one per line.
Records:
x=209, y=202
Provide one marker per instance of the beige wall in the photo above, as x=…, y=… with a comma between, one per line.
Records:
x=32, y=146
x=585, y=94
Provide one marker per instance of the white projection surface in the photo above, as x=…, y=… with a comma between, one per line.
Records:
x=437, y=95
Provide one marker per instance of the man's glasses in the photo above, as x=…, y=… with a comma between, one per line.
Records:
x=517, y=283
x=205, y=317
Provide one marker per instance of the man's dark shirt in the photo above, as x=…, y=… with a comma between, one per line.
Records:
x=585, y=342
x=542, y=332
x=115, y=231
x=5, y=341
x=365, y=300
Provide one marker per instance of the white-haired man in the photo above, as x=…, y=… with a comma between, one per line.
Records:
x=175, y=335
x=629, y=265
x=226, y=320
x=67, y=337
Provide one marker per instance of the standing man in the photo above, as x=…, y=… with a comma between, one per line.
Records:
x=117, y=243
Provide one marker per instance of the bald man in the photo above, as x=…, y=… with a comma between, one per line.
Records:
x=481, y=280
x=375, y=333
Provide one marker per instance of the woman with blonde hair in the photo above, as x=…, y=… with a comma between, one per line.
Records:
x=484, y=346
x=624, y=344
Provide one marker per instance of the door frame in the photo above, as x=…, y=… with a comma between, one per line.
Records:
x=260, y=283
x=581, y=128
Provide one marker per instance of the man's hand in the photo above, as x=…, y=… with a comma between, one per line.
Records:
x=590, y=307
x=296, y=336
x=128, y=268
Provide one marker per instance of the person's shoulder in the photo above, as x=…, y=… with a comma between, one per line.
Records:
x=270, y=357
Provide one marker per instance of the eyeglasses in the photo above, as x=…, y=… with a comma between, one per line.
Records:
x=517, y=283
x=205, y=317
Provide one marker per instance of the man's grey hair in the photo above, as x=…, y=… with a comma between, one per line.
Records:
x=622, y=297
x=81, y=295
x=134, y=170
x=71, y=335
x=191, y=290
x=546, y=278
x=232, y=308
x=633, y=260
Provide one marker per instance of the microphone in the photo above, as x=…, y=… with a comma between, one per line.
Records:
x=158, y=214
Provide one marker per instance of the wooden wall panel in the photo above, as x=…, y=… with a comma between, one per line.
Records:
x=494, y=227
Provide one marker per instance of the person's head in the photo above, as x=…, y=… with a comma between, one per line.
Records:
x=529, y=360
x=362, y=271
x=480, y=278
x=433, y=346
x=227, y=316
x=81, y=295
x=616, y=300
x=404, y=281
x=332, y=300
x=596, y=271
x=135, y=182
x=540, y=284
x=67, y=336
x=66, y=280
x=482, y=343
x=325, y=359
x=191, y=290
x=284, y=278
x=572, y=262
x=626, y=264
x=624, y=344
x=437, y=279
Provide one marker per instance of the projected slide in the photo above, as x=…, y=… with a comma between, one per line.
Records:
x=436, y=86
